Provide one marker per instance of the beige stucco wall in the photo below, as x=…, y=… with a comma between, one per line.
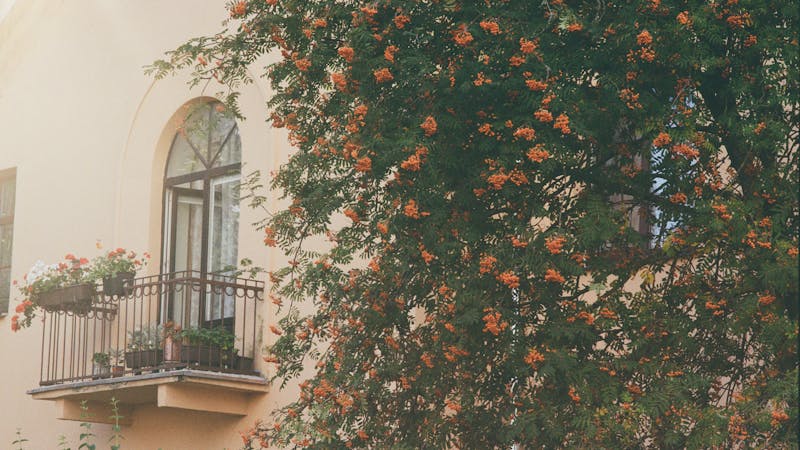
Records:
x=88, y=132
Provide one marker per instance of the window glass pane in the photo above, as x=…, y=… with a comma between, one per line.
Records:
x=6, y=236
x=232, y=150
x=224, y=242
x=196, y=128
x=182, y=159
x=222, y=127
x=7, y=197
x=7, y=191
x=5, y=289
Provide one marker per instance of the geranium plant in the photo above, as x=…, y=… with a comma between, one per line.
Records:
x=118, y=261
x=44, y=278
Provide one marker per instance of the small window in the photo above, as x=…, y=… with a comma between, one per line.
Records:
x=7, y=194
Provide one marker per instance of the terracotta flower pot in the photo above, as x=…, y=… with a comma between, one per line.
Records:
x=172, y=349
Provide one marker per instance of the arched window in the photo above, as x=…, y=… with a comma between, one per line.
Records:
x=201, y=208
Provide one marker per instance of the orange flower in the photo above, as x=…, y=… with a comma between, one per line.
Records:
x=411, y=209
x=526, y=133
x=497, y=180
x=320, y=23
x=554, y=244
x=518, y=177
x=427, y=359
x=760, y=127
x=562, y=123
x=411, y=164
x=364, y=164
x=239, y=9
x=426, y=256
x=389, y=53
x=462, y=36
x=573, y=395
x=662, y=140
x=352, y=215
x=362, y=434
x=683, y=18
x=383, y=75
x=538, y=154
x=678, y=198
x=766, y=299
x=516, y=61
x=429, y=126
x=685, y=151
x=487, y=263
x=340, y=81
x=382, y=227
x=644, y=38
x=347, y=53
x=492, y=322
x=535, y=85
x=608, y=314
x=275, y=330
x=554, y=276
x=543, y=115
x=480, y=80
x=518, y=243
x=527, y=47
x=269, y=240
x=574, y=27
x=303, y=64
x=509, y=279
x=533, y=358
x=401, y=20
x=490, y=26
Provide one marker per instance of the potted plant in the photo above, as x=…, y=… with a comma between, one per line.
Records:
x=212, y=347
x=117, y=269
x=101, y=367
x=66, y=286
x=172, y=342
x=116, y=360
x=144, y=348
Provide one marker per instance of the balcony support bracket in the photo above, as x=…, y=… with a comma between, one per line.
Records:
x=95, y=412
x=202, y=398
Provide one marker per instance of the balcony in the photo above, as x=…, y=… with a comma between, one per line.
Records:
x=115, y=346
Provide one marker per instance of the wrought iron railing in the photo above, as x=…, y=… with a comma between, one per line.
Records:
x=134, y=331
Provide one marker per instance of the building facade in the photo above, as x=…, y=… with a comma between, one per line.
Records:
x=94, y=154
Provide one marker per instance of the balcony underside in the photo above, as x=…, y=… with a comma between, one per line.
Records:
x=183, y=389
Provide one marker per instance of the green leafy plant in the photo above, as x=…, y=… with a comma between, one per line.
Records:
x=19, y=440
x=546, y=224
x=101, y=359
x=145, y=338
x=116, y=430
x=86, y=436
x=117, y=261
x=43, y=278
x=215, y=337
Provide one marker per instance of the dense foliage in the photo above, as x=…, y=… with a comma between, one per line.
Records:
x=569, y=224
